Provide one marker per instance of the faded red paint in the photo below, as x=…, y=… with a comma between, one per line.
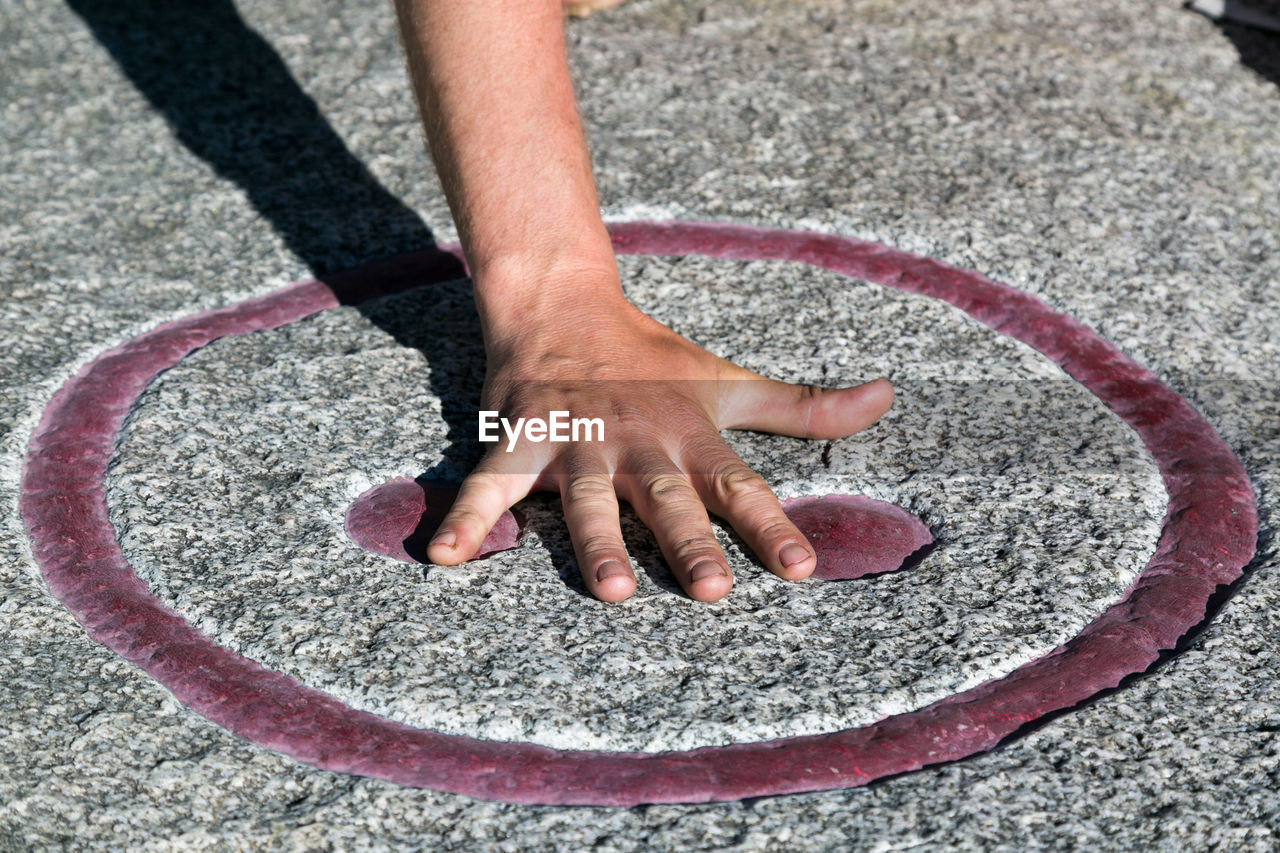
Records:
x=63, y=503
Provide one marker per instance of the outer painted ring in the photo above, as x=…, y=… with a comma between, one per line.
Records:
x=1209, y=534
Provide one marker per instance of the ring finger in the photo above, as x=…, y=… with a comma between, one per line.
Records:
x=736, y=493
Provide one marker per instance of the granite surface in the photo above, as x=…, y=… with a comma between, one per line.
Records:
x=1118, y=162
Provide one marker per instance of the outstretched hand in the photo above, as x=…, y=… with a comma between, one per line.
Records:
x=560, y=337
x=663, y=401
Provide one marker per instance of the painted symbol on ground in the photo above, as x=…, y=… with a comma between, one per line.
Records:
x=1209, y=534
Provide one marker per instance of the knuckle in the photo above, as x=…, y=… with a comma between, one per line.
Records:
x=590, y=489
x=690, y=548
x=595, y=544
x=625, y=414
x=736, y=481
x=773, y=530
x=666, y=488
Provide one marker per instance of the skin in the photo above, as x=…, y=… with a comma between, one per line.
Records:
x=493, y=85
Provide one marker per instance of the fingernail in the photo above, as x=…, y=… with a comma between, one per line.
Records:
x=447, y=538
x=706, y=569
x=792, y=554
x=610, y=569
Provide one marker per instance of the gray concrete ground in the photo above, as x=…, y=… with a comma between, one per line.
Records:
x=1120, y=162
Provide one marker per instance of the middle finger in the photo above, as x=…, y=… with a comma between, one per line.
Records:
x=665, y=500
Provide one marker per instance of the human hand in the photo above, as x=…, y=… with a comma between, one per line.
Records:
x=663, y=401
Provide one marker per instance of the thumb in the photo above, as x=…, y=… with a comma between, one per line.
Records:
x=805, y=411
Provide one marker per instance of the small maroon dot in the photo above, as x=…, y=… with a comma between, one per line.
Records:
x=399, y=517
x=855, y=536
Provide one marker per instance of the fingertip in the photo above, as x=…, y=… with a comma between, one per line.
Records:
x=614, y=590
x=795, y=562
x=878, y=382
x=482, y=498
x=874, y=396
x=709, y=581
x=854, y=409
x=878, y=392
x=443, y=549
x=614, y=580
x=709, y=591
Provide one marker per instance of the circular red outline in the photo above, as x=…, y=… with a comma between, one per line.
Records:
x=1209, y=534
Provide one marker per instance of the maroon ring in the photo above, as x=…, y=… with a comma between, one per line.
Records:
x=1209, y=534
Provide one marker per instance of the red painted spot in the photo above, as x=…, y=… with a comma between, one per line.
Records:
x=855, y=536
x=399, y=517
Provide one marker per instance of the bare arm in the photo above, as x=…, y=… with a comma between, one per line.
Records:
x=494, y=89
x=493, y=84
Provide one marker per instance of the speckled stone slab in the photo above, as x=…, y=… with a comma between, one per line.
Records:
x=233, y=474
x=1117, y=162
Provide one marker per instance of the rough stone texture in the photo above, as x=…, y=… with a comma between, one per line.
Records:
x=1208, y=534
x=1118, y=162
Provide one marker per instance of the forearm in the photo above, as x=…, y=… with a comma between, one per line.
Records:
x=497, y=102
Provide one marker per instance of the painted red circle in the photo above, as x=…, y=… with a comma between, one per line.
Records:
x=1209, y=534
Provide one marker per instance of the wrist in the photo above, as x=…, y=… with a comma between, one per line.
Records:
x=520, y=301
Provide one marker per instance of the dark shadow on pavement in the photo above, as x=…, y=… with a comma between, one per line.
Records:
x=1259, y=49
x=231, y=100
